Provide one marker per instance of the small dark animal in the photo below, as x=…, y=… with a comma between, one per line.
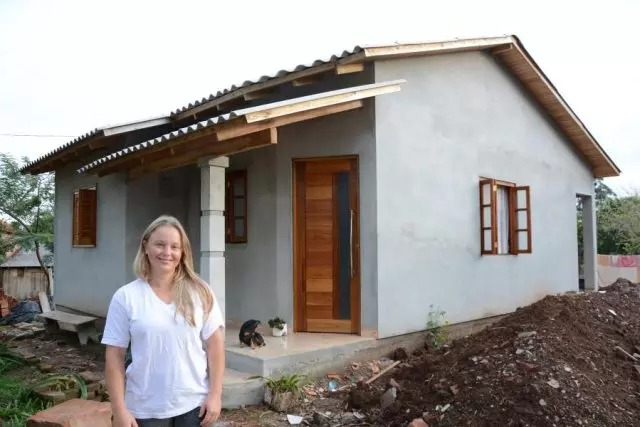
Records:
x=248, y=334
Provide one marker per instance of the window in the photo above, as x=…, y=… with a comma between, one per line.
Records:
x=84, y=217
x=236, y=207
x=505, y=218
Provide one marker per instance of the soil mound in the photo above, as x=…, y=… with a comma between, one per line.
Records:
x=565, y=360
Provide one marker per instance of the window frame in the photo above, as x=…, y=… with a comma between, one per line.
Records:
x=84, y=226
x=231, y=235
x=514, y=209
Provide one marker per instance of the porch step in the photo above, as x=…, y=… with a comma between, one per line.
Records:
x=309, y=353
x=238, y=390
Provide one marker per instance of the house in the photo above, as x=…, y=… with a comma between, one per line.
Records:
x=21, y=275
x=353, y=195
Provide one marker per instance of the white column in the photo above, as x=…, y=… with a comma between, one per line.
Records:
x=212, y=225
x=590, y=243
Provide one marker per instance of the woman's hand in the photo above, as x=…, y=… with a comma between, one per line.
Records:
x=123, y=418
x=210, y=409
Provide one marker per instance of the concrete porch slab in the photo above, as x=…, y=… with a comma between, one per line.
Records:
x=238, y=390
x=296, y=352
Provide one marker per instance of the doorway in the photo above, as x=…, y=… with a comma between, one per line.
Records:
x=326, y=245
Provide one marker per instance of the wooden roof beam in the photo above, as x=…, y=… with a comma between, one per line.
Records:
x=356, y=67
x=201, y=149
x=259, y=94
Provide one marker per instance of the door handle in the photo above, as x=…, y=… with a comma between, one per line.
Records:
x=351, y=241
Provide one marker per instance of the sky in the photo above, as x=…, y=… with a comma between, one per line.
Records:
x=67, y=67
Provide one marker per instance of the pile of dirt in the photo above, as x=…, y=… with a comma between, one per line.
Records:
x=555, y=362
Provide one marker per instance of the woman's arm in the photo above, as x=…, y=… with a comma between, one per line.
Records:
x=215, y=362
x=114, y=375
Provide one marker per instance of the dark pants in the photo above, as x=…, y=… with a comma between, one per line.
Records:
x=190, y=419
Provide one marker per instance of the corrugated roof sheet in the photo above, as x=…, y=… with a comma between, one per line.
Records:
x=281, y=73
x=25, y=259
x=97, y=132
x=161, y=139
x=208, y=123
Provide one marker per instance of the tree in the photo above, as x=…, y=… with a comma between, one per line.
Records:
x=619, y=225
x=26, y=201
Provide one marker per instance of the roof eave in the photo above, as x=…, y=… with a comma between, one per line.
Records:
x=55, y=159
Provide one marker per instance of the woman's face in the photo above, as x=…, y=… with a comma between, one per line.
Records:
x=164, y=249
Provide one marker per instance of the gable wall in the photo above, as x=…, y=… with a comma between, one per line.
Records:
x=87, y=277
x=459, y=117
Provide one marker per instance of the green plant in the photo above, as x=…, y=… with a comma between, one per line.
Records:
x=9, y=359
x=277, y=323
x=436, y=325
x=285, y=384
x=61, y=383
x=18, y=402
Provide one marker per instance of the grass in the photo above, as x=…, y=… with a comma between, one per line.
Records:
x=18, y=399
x=18, y=402
x=8, y=359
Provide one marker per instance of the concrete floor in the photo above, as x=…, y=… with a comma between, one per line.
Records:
x=292, y=344
x=300, y=352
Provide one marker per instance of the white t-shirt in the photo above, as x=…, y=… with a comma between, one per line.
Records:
x=168, y=373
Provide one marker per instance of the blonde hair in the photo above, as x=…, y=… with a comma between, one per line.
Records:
x=185, y=279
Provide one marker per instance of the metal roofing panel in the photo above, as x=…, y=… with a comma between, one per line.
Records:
x=205, y=124
x=281, y=73
x=97, y=132
x=25, y=259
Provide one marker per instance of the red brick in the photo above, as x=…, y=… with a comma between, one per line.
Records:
x=74, y=413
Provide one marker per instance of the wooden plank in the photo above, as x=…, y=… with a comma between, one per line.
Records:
x=206, y=149
x=402, y=50
x=257, y=86
x=319, y=311
x=312, y=104
x=356, y=67
x=320, y=285
x=233, y=130
x=319, y=298
x=259, y=94
x=329, y=325
x=304, y=81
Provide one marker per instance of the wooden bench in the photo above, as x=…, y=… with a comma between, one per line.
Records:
x=84, y=326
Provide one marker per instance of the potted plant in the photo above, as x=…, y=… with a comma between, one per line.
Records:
x=278, y=327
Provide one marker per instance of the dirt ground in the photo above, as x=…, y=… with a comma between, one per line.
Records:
x=553, y=363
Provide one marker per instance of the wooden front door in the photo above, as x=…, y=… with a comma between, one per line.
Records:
x=326, y=246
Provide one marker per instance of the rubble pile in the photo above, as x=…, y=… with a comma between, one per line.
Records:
x=572, y=359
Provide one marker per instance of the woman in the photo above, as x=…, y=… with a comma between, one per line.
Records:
x=174, y=325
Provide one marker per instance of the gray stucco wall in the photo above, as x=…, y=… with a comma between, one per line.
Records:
x=459, y=117
x=85, y=278
x=171, y=193
x=260, y=272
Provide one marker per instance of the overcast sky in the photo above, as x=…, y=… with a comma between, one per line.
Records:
x=68, y=67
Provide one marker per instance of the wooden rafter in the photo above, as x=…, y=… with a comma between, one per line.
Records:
x=283, y=110
x=217, y=136
x=135, y=159
x=191, y=152
x=356, y=67
x=304, y=81
x=259, y=94
x=228, y=131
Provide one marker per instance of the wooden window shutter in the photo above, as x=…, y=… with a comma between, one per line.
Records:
x=236, y=207
x=488, y=220
x=84, y=217
x=76, y=219
x=521, y=234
